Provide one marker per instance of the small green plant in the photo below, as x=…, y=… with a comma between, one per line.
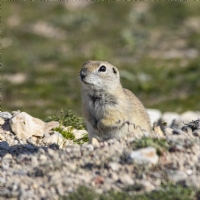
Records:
x=66, y=134
x=82, y=140
x=67, y=118
x=160, y=144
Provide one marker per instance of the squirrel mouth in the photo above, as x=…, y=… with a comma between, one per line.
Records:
x=85, y=82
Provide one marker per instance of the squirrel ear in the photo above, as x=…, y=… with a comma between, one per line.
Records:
x=114, y=70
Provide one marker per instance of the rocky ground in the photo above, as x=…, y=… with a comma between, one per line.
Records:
x=36, y=166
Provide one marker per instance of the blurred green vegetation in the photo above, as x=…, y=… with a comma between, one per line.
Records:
x=155, y=46
x=168, y=192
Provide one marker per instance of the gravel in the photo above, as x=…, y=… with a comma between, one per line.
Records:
x=30, y=169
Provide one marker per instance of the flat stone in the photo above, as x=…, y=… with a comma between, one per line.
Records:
x=114, y=166
x=176, y=175
x=188, y=116
x=126, y=179
x=144, y=155
x=5, y=115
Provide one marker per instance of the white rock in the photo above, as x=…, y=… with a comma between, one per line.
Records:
x=144, y=155
x=188, y=116
x=5, y=115
x=126, y=179
x=146, y=134
x=176, y=175
x=43, y=158
x=154, y=115
x=58, y=139
x=168, y=131
x=114, y=176
x=158, y=131
x=114, y=166
x=8, y=156
x=193, y=181
x=169, y=117
x=95, y=142
x=148, y=186
x=189, y=172
x=2, y=121
x=77, y=133
x=16, y=142
x=34, y=139
x=89, y=147
x=25, y=126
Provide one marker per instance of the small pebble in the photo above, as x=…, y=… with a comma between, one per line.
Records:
x=4, y=145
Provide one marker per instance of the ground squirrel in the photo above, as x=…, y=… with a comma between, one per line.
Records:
x=109, y=110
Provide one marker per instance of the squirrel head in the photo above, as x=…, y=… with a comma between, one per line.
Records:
x=99, y=75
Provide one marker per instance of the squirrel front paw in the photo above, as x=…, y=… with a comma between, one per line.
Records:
x=105, y=124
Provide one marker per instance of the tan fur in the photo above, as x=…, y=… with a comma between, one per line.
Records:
x=109, y=110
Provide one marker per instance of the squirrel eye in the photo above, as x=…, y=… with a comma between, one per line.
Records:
x=102, y=68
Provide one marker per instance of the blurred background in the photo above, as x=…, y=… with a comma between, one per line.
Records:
x=155, y=45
